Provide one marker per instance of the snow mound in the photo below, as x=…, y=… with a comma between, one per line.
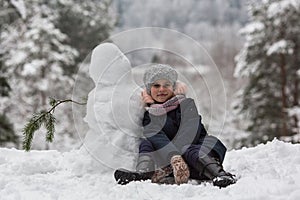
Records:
x=270, y=171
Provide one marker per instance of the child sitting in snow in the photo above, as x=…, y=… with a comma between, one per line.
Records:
x=176, y=141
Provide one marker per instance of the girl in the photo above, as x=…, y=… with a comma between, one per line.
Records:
x=175, y=142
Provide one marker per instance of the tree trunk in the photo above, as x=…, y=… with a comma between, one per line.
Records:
x=296, y=85
x=283, y=96
x=295, y=103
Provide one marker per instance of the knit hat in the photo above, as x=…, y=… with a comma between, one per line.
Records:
x=157, y=72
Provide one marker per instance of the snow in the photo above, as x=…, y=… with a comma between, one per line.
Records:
x=19, y=56
x=281, y=46
x=20, y=6
x=270, y=171
x=279, y=8
x=114, y=109
x=33, y=67
x=242, y=68
x=252, y=27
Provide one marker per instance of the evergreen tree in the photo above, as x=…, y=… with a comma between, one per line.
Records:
x=42, y=43
x=8, y=136
x=34, y=54
x=8, y=15
x=269, y=59
x=86, y=23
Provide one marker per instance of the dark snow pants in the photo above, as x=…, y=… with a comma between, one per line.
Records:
x=208, y=145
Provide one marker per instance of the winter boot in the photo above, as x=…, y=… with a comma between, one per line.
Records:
x=180, y=169
x=145, y=170
x=124, y=176
x=213, y=169
x=145, y=164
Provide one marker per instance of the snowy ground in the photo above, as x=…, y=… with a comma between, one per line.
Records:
x=270, y=171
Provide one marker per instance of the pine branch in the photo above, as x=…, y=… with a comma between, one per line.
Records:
x=33, y=125
x=45, y=118
x=49, y=125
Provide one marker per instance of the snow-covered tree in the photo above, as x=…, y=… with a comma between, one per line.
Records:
x=7, y=134
x=42, y=43
x=8, y=14
x=270, y=60
x=86, y=23
x=34, y=55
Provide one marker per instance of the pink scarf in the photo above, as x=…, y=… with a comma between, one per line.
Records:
x=161, y=109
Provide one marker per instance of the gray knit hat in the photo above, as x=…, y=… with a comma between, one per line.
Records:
x=157, y=72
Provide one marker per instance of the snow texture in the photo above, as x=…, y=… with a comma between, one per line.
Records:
x=114, y=109
x=20, y=6
x=281, y=46
x=277, y=8
x=252, y=27
x=270, y=171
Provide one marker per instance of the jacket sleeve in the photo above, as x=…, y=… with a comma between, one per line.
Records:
x=191, y=128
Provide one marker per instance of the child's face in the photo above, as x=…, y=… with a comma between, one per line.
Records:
x=162, y=90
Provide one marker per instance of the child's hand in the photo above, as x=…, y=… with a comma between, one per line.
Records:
x=181, y=88
x=146, y=98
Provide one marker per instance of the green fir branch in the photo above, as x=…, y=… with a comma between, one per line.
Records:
x=45, y=118
x=50, y=127
x=32, y=126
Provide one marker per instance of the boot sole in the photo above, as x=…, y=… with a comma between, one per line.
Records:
x=223, y=183
x=124, y=177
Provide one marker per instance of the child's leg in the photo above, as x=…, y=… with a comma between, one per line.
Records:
x=207, y=162
x=144, y=168
x=214, y=147
x=191, y=156
x=145, y=161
